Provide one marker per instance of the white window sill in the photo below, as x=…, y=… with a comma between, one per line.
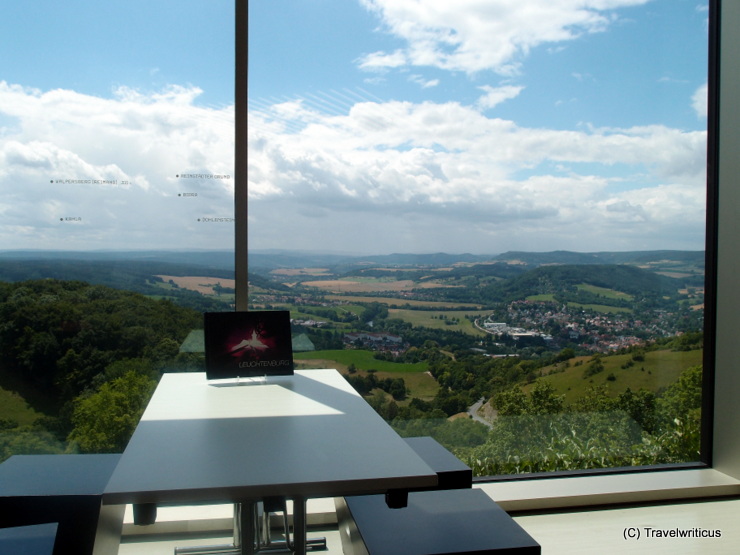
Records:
x=587, y=491
x=513, y=496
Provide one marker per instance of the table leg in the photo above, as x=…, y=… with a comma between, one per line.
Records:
x=299, y=525
x=247, y=527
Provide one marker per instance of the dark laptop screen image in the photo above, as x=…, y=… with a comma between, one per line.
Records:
x=248, y=344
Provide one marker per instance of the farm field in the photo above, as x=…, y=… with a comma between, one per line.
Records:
x=203, y=285
x=608, y=293
x=418, y=380
x=604, y=309
x=453, y=320
x=300, y=272
x=602, y=291
x=367, y=285
x=363, y=360
x=391, y=301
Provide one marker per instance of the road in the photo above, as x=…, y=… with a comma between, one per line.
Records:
x=473, y=412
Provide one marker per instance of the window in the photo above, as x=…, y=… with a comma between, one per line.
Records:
x=374, y=129
x=562, y=149
x=116, y=148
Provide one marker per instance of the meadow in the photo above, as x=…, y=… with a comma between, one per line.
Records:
x=452, y=320
x=658, y=370
x=419, y=381
x=18, y=402
x=394, y=301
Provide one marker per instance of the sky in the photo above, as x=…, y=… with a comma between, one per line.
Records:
x=375, y=126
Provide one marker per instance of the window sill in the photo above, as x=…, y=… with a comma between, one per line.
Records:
x=514, y=497
x=592, y=491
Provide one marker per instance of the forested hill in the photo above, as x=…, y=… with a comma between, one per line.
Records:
x=693, y=258
x=59, y=335
x=548, y=280
x=129, y=274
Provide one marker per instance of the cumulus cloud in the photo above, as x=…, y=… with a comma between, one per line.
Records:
x=488, y=182
x=473, y=36
x=88, y=172
x=78, y=171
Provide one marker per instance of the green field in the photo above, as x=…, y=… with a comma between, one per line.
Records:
x=14, y=400
x=604, y=292
x=363, y=360
x=438, y=319
x=607, y=293
x=418, y=380
x=600, y=307
x=392, y=301
x=545, y=297
x=14, y=407
x=659, y=370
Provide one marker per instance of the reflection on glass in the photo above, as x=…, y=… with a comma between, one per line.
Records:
x=116, y=149
x=552, y=156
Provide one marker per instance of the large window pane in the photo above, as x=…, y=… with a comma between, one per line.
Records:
x=117, y=231
x=556, y=155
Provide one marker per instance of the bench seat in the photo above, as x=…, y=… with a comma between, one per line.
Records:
x=68, y=490
x=434, y=523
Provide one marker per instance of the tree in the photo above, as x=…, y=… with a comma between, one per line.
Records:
x=104, y=421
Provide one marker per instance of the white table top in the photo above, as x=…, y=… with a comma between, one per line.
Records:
x=307, y=435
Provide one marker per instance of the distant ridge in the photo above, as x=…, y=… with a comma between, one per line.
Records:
x=200, y=257
x=695, y=258
x=266, y=261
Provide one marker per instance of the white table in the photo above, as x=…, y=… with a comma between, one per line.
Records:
x=301, y=436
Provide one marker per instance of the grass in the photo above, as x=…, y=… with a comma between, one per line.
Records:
x=600, y=307
x=363, y=360
x=16, y=400
x=418, y=380
x=659, y=370
x=362, y=285
x=604, y=292
x=607, y=293
x=402, y=302
x=14, y=407
x=435, y=320
x=545, y=297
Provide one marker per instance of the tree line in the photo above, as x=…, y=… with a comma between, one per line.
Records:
x=92, y=354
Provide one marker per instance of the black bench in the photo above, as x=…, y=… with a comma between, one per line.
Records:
x=434, y=522
x=451, y=518
x=37, y=539
x=66, y=489
x=451, y=471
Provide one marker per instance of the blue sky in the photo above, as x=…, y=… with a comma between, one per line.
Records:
x=301, y=47
x=93, y=47
x=375, y=125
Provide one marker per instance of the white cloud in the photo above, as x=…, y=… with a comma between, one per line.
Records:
x=474, y=35
x=489, y=183
x=378, y=61
x=78, y=171
x=380, y=177
x=496, y=95
x=699, y=101
x=424, y=83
